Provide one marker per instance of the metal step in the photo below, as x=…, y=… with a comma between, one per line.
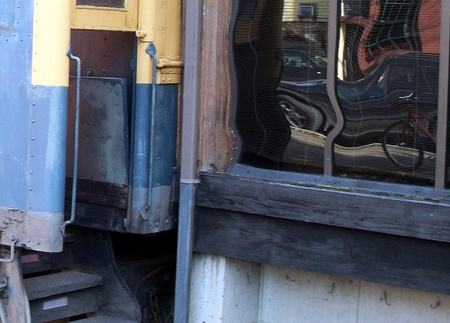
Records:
x=104, y=319
x=37, y=262
x=62, y=295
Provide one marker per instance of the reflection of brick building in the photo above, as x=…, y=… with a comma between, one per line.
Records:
x=429, y=25
x=394, y=26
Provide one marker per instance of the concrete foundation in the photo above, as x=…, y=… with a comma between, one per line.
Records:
x=228, y=290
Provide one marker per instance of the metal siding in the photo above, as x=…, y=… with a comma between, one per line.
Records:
x=164, y=143
x=153, y=158
x=47, y=149
x=166, y=134
x=15, y=89
x=32, y=123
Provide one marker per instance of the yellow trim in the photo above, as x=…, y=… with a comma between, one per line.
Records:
x=102, y=18
x=51, y=36
x=160, y=23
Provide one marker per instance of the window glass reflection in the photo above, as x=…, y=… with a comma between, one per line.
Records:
x=387, y=86
x=102, y=3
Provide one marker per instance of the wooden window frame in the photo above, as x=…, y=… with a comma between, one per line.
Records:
x=388, y=233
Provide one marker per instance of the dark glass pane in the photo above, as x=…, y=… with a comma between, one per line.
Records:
x=387, y=87
x=388, y=92
x=102, y=3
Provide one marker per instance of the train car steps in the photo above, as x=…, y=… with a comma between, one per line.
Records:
x=62, y=295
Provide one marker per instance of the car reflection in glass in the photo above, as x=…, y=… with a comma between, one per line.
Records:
x=299, y=66
x=369, y=105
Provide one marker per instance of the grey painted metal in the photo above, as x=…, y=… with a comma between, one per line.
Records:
x=188, y=177
x=333, y=39
x=75, y=150
x=184, y=252
x=443, y=99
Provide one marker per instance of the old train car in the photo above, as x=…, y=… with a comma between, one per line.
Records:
x=89, y=107
x=224, y=161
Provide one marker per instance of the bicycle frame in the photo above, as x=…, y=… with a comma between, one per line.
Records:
x=413, y=119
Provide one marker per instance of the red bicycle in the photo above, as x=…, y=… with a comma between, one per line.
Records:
x=403, y=140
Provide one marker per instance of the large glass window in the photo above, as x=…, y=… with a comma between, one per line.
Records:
x=383, y=122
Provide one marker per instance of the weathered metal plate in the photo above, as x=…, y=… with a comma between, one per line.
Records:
x=39, y=231
x=103, y=140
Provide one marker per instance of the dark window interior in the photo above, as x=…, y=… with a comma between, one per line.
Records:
x=387, y=81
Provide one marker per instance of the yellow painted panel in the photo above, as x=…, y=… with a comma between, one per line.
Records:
x=144, y=65
x=173, y=30
x=159, y=23
x=51, y=36
x=103, y=18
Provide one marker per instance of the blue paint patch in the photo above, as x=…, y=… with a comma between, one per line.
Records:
x=6, y=14
x=154, y=150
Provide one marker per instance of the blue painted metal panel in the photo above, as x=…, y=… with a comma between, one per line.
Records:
x=32, y=121
x=164, y=143
x=6, y=14
x=153, y=158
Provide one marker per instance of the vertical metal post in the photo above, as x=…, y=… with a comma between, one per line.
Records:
x=443, y=101
x=333, y=37
x=188, y=179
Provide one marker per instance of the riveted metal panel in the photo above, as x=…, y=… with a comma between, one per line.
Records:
x=153, y=159
x=32, y=138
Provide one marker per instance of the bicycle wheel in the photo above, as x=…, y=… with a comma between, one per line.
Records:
x=401, y=145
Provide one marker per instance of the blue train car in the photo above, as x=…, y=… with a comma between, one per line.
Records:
x=88, y=134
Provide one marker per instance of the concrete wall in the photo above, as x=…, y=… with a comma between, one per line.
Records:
x=227, y=290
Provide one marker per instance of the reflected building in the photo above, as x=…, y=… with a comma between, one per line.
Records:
x=387, y=71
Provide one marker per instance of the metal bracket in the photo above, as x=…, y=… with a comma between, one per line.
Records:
x=14, y=240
